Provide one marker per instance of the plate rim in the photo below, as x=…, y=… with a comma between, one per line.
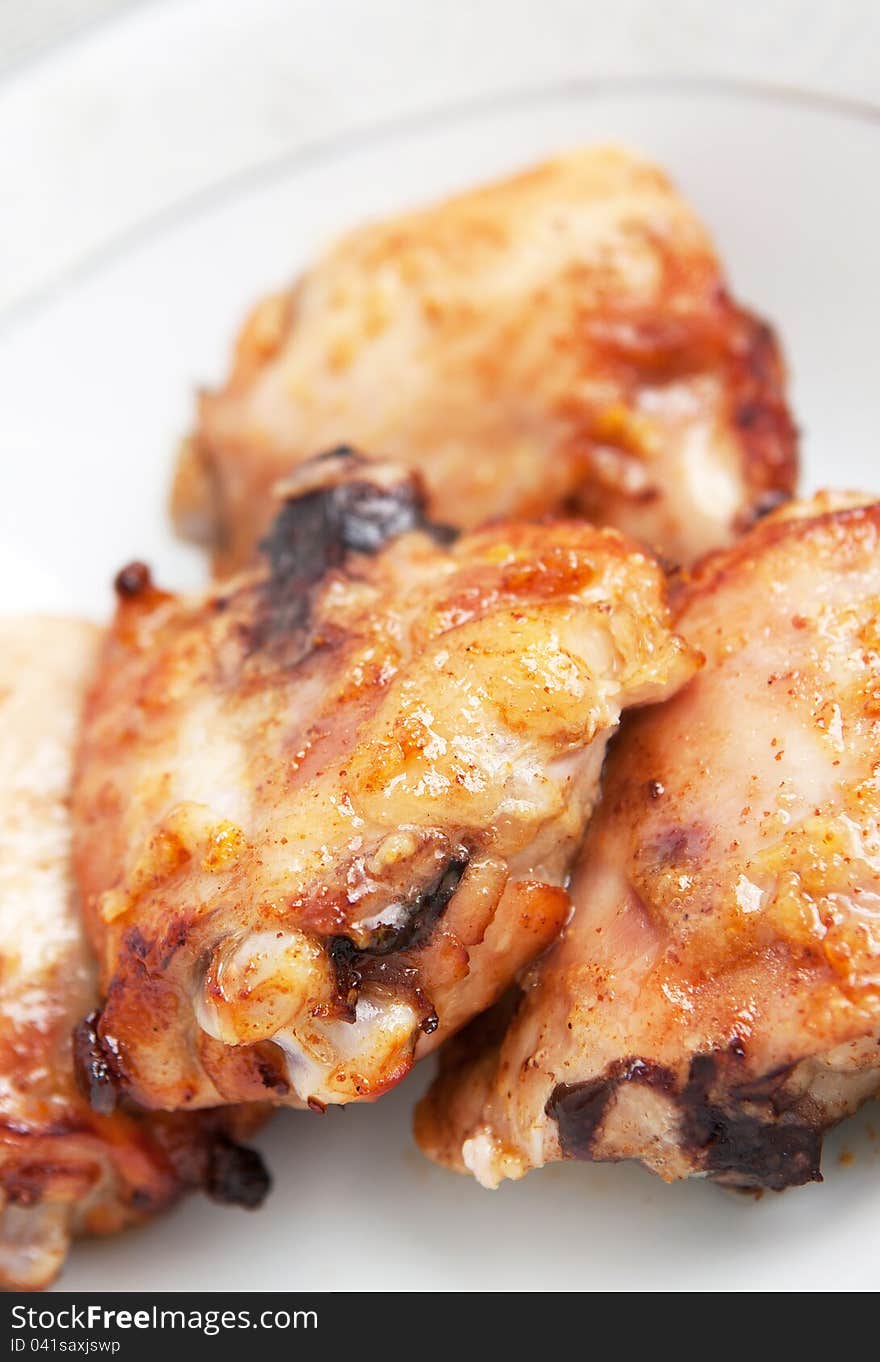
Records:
x=373, y=133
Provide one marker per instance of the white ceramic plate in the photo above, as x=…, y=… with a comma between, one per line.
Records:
x=97, y=383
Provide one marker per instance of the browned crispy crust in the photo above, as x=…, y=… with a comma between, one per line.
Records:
x=120, y=1169
x=564, y=339
x=326, y=810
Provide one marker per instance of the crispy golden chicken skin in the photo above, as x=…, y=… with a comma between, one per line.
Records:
x=326, y=811
x=714, y=1005
x=64, y=1169
x=562, y=340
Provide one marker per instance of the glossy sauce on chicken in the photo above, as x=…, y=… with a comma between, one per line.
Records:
x=714, y=1004
x=326, y=811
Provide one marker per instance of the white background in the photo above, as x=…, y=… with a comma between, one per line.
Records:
x=137, y=107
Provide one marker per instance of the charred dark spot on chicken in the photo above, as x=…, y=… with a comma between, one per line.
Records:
x=421, y=911
x=740, y=1134
x=318, y=525
x=743, y=1134
x=335, y=504
x=236, y=1175
x=94, y=1066
x=579, y=1109
x=354, y=962
x=132, y=580
x=269, y=1065
x=345, y=957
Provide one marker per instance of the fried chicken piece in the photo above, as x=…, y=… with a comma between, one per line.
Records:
x=560, y=340
x=65, y=1170
x=714, y=1005
x=326, y=811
